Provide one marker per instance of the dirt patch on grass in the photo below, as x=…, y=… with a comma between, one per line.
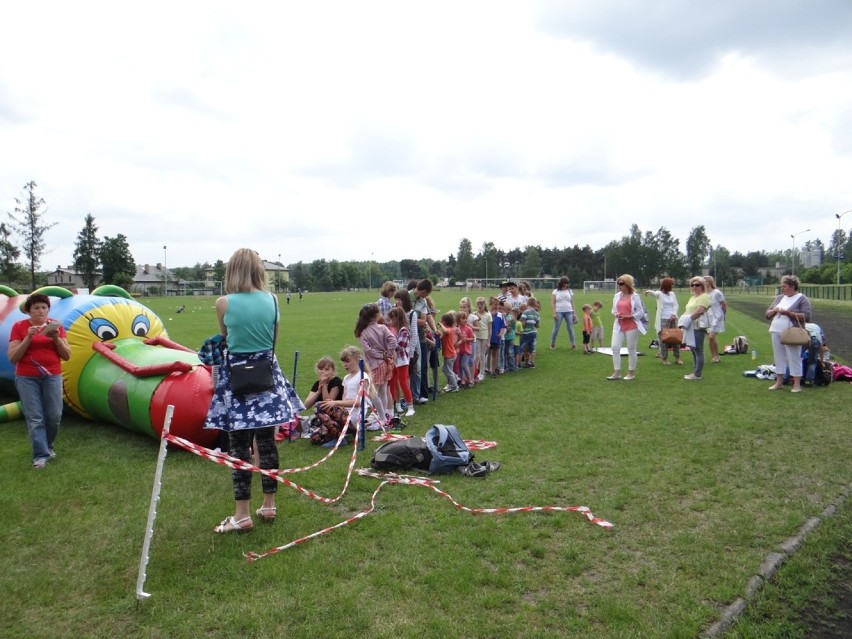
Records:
x=825, y=620
x=836, y=323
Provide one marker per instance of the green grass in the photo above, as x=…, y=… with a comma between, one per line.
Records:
x=701, y=480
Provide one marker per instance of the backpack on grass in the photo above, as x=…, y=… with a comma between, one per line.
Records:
x=402, y=454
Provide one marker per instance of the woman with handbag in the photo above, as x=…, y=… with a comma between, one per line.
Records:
x=251, y=396
x=788, y=311
x=666, y=318
x=695, y=321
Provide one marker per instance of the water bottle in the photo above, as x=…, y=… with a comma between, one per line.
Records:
x=753, y=355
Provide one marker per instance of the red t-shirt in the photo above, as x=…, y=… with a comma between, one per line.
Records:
x=41, y=358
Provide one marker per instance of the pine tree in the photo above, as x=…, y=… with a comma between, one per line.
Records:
x=9, y=253
x=87, y=253
x=28, y=224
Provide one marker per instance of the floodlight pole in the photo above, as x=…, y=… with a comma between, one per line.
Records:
x=793, y=251
x=837, y=246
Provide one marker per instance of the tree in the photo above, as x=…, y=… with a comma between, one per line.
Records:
x=9, y=268
x=697, y=248
x=87, y=253
x=411, y=269
x=28, y=223
x=531, y=266
x=465, y=267
x=117, y=260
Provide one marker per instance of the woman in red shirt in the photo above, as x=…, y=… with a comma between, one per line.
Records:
x=36, y=347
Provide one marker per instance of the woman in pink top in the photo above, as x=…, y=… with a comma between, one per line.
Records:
x=628, y=311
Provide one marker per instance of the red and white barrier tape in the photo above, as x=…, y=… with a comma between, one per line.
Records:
x=425, y=482
x=472, y=444
x=386, y=478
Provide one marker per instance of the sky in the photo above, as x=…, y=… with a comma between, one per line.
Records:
x=386, y=130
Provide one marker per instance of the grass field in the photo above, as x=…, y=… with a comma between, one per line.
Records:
x=701, y=479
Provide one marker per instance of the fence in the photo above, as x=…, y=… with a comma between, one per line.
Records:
x=842, y=293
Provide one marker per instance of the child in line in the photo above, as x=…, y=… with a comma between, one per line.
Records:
x=379, y=346
x=587, y=329
x=400, y=384
x=597, y=326
x=448, y=350
x=530, y=320
x=465, y=343
x=510, y=364
x=483, y=333
x=498, y=329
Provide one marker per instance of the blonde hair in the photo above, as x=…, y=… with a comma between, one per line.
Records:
x=245, y=272
x=628, y=281
x=710, y=280
x=463, y=300
x=349, y=353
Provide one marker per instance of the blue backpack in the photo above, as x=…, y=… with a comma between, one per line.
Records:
x=448, y=449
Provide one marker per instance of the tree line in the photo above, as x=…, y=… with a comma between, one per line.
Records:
x=645, y=255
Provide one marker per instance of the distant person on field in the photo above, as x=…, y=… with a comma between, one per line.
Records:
x=587, y=329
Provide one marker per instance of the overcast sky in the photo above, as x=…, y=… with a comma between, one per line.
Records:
x=389, y=130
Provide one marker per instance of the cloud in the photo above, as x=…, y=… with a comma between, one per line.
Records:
x=687, y=38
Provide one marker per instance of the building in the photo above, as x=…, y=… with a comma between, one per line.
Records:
x=277, y=276
x=152, y=281
x=68, y=278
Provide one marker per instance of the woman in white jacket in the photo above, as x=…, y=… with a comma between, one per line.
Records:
x=666, y=317
x=629, y=313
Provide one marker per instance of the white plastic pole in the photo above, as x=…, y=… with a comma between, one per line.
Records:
x=152, y=509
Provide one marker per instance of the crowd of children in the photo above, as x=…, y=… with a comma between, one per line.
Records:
x=400, y=341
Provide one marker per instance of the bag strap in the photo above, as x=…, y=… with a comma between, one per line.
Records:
x=274, y=324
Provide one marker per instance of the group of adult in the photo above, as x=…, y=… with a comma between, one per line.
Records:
x=703, y=318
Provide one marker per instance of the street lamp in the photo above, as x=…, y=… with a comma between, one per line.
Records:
x=793, y=252
x=278, y=276
x=837, y=245
x=370, y=272
x=165, y=273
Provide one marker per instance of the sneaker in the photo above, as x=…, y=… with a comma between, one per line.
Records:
x=455, y=389
x=421, y=400
x=613, y=377
x=628, y=377
x=410, y=411
x=397, y=407
x=691, y=377
x=40, y=463
x=446, y=388
x=52, y=454
x=474, y=470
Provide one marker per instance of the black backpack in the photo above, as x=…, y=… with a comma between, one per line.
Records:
x=741, y=345
x=402, y=454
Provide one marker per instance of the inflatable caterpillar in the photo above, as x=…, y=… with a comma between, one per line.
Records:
x=123, y=367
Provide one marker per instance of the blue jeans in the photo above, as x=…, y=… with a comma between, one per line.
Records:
x=509, y=355
x=568, y=316
x=698, y=352
x=41, y=399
